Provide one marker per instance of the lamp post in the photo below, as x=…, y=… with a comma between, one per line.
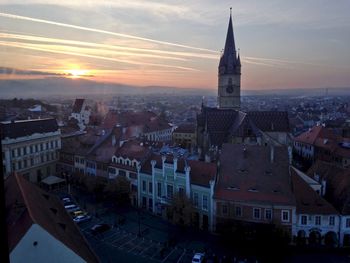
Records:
x=139, y=221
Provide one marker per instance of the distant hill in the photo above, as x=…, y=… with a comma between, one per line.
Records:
x=38, y=88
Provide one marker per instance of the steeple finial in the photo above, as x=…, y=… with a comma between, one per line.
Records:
x=231, y=11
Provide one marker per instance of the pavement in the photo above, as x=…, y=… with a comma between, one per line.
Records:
x=139, y=236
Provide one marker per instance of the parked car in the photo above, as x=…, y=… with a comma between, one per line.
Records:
x=73, y=208
x=198, y=258
x=70, y=205
x=100, y=228
x=78, y=213
x=82, y=218
x=66, y=200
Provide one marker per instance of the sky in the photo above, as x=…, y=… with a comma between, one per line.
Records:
x=283, y=44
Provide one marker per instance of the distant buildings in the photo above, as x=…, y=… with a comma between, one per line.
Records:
x=81, y=112
x=321, y=143
x=144, y=125
x=30, y=147
x=185, y=136
x=39, y=228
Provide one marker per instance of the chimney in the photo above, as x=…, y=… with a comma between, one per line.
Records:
x=114, y=141
x=272, y=153
x=323, y=188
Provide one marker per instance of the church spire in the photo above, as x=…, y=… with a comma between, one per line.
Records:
x=229, y=59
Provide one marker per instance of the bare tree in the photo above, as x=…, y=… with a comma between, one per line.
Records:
x=181, y=210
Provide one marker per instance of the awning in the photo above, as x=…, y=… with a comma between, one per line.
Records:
x=52, y=180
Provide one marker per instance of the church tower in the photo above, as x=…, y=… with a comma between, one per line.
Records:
x=229, y=87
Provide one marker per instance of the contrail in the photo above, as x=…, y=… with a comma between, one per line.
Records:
x=28, y=46
x=105, y=46
x=103, y=32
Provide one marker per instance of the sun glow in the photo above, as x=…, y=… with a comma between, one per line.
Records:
x=77, y=72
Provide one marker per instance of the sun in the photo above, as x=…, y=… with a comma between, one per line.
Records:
x=75, y=71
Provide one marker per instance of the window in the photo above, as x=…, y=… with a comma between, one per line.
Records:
x=31, y=161
x=19, y=165
x=347, y=222
x=159, y=189
x=25, y=164
x=56, y=144
x=317, y=220
x=13, y=153
x=150, y=204
x=285, y=216
x=144, y=202
x=36, y=148
x=303, y=220
x=31, y=148
x=143, y=186
x=25, y=150
x=150, y=189
x=331, y=220
x=238, y=211
x=195, y=199
x=224, y=209
x=256, y=213
x=169, y=191
x=181, y=191
x=268, y=214
x=47, y=145
x=51, y=144
x=123, y=173
x=41, y=146
x=205, y=203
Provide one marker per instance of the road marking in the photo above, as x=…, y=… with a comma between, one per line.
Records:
x=121, y=247
x=141, y=252
x=183, y=253
x=171, y=252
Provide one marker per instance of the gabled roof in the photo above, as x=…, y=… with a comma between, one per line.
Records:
x=337, y=184
x=24, y=128
x=246, y=174
x=270, y=121
x=78, y=105
x=307, y=200
x=201, y=172
x=310, y=136
x=133, y=150
x=26, y=204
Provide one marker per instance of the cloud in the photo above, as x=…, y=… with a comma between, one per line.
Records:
x=26, y=18
x=13, y=71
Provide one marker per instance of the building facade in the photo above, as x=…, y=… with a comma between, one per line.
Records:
x=31, y=147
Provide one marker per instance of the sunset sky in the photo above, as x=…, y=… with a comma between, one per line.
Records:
x=283, y=43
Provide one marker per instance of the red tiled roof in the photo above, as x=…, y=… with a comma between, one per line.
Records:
x=202, y=172
x=133, y=150
x=307, y=200
x=337, y=184
x=316, y=132
x=26, y=204
x=249, y=175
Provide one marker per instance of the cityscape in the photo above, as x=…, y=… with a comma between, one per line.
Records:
x=173, y=133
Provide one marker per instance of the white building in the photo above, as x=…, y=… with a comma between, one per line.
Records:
x=30, y=147
x=317, y=221
x=81, y=112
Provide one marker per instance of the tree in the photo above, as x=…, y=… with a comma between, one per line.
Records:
x=118, y=189
x=181, y=210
